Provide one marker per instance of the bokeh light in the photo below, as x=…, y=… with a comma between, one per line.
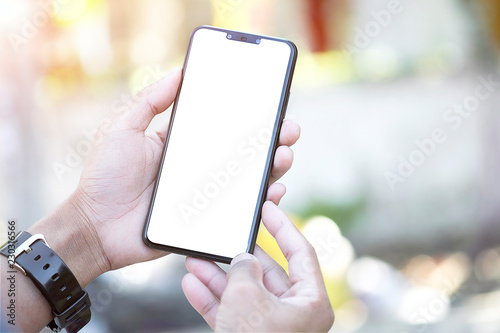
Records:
x=422, y=255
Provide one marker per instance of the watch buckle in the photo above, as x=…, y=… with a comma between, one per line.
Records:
x=26, y=247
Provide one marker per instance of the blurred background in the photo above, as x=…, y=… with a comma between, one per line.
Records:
x=395, y=179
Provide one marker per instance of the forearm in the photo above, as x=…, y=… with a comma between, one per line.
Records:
x=78, y=248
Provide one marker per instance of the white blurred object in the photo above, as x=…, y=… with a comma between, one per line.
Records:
x=483, y=315
x=351, y=316
x=423, y=306
x=335, y=252
x=93, y=45
x=378, y=284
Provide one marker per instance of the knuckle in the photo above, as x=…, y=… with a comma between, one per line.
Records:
x=236, y=292
x=243, y=288
x=322, y=310
x=208, y=307
x=151, y=106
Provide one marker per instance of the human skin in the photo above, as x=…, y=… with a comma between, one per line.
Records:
x=257, y=295
x=99, y=227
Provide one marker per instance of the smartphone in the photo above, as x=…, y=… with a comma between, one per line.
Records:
x=220, y=145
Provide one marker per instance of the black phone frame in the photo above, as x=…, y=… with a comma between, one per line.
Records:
x=285, y=94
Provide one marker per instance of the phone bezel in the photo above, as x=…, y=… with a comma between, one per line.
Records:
x=285, y=94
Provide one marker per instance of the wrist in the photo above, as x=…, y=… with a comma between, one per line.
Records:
x=72, y=235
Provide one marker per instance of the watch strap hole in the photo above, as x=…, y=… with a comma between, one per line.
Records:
x=70, y=308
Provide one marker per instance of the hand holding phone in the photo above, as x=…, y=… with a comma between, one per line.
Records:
x=257, y=295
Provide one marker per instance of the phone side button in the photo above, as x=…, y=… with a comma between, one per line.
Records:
x=285, y=101
x=288, y=96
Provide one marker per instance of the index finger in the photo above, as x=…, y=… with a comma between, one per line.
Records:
x=303, y=265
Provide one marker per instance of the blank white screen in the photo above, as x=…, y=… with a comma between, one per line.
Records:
x=219, y=143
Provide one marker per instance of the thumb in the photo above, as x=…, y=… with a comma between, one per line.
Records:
x=155, y=100
x=245, y=267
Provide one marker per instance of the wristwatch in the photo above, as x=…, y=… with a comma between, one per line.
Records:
x=34, y=258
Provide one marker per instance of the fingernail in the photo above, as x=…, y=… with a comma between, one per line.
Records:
x=242, y=257
x=173, y=70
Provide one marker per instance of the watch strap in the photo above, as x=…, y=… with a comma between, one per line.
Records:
x=69, y=302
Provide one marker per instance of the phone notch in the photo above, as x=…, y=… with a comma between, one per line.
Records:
x=241, y=37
